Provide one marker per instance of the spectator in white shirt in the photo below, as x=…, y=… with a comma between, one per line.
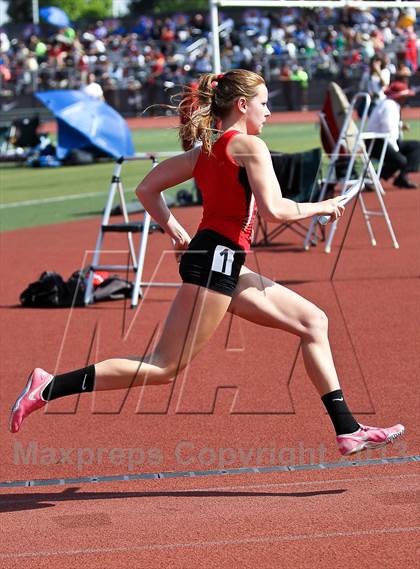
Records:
x=93, y=89
x=374, y=80
x=401, y=156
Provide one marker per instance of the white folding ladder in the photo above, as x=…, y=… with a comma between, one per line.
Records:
x=354, y=143
x=136, y=259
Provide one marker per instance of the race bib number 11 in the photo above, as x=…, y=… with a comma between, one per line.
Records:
x=223, y=260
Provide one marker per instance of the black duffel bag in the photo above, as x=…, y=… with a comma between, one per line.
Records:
x=51, y=291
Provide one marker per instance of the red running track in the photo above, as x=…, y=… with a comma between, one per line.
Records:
x=241, y=393
x=363, y=519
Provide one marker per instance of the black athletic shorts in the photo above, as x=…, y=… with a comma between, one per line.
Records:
x=212, y=261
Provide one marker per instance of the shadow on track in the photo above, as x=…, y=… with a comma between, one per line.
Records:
x=20, y=502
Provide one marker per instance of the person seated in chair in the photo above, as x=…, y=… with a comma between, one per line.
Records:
x=401, y=156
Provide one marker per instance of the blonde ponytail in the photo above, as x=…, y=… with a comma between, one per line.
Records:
x=201, y=108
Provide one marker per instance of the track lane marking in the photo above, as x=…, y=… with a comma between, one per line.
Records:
x=216, y=543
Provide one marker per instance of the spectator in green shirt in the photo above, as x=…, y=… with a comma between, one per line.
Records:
x=300, y=76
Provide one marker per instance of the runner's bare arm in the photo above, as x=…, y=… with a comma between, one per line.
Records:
x=252, y=153
x=167, y=174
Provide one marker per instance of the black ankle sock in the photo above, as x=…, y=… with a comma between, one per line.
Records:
x=77, y=381
x=339, y=413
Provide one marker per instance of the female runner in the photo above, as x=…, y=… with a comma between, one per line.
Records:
x=236, y=176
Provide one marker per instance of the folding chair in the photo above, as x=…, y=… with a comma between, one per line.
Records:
x=298, y=176
x=343, y=142
x=136, y=258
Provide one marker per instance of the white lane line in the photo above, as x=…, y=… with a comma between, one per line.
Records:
x=52, y=200
x=58, y=199
x=303, y=483
x=223, y=543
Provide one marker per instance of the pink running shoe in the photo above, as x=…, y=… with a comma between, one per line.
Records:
x=368, y=437
x=30, y=399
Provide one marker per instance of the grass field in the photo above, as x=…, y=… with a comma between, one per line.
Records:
x=31, y=196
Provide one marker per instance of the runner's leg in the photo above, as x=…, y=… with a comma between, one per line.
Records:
x=193, y=317
x=264, y=302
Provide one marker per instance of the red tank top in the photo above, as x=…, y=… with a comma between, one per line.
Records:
x=228, y=203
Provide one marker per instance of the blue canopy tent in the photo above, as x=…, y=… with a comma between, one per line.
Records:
x=55, y=16
x=87, y=123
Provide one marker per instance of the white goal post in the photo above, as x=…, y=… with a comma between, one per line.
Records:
x=215, y=4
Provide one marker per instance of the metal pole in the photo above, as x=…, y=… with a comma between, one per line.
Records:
x=214, y=13
x=35, y=12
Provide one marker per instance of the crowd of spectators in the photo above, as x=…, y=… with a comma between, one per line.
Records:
x=146, y=56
